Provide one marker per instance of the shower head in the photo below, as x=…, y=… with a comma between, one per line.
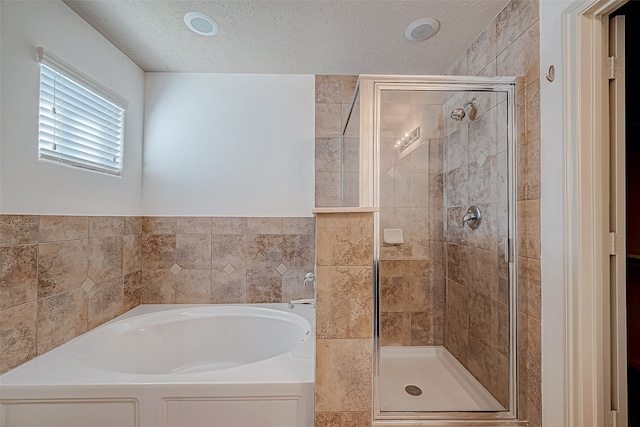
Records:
x=458, y=114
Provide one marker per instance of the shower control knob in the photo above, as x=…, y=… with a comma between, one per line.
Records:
x=473, y=217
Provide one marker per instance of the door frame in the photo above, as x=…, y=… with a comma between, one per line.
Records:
x=585, y=29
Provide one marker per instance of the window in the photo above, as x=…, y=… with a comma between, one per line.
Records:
x=81, y=122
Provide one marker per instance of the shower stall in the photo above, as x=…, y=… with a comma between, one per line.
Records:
x=435, y=157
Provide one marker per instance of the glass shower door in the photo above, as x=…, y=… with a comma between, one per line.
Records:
x=444, y=297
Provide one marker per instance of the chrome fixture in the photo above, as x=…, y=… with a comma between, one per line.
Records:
x=408, y=139
x=307, y=301
x=473, y=217
x=458, y=114
x=310, y=278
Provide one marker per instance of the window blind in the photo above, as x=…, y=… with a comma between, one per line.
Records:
x=81, y=123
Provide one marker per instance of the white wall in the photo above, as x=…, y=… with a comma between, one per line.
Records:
x=551, y=211
x=29, y=186
x=229, y=144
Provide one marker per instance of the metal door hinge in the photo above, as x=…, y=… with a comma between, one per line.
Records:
x=612, y=243
x=611, y=65
x=614, y=418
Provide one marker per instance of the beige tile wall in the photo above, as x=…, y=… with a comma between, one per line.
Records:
x=334, y=95
x=226, y=259
x=63, y=275
x=343, y=318
x=510, y=46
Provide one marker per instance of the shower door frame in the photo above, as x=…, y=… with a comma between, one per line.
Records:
x=369, y=88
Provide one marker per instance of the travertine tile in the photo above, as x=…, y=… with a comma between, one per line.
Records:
x=483, y=181
x=343, y=302
x=421, y=219
x=427, y=328
x=193, y=251
x=529, y=170
x=193, y=287
x=106, y=302
x=132, y=225
x=54, y=228
x=328, y=189
x=228, y=225
x=264, y=225
x=18, y=275
x=298, y=251
x=299, y=225
x=482, y=362
x=420, y=294
x=480, y=318
x=229, y=289
x=132, y=289
x=532, y=100
x=457, y=341
x=394, y=294
x=328, y=120
x=264, y=285
x=458, y=263
x=349, y=84
x=458, y=303
x=534, y=403
x=343, y=419
x=19, y=229
x=529, y=288
x=344, y=239
x=456, y=182
x=534, y=349
x=264, y=251
x=159, y=225
x=483, y=271
x=528, y=213
x=17, y=335
x=158, y=287
x=522, y=57
x=419, y=184
x=395, y=328
x=343, y=375
x=131, y=253
x=61, y=318
x=228, y=249
x=513, y=20
x=103, y=226
x=61, y=266
x=158, y=251
x=459, y=68
x=328, y=89
x=105, y=258
x=328, y=155
x=198, y=225
x=483, y=50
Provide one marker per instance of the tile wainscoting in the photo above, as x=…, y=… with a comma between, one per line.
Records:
x=63, y=275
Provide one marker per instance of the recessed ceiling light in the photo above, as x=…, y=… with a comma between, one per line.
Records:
x=422, y=29
x=201, y=24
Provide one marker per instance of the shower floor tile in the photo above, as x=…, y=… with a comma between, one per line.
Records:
x=445, y=384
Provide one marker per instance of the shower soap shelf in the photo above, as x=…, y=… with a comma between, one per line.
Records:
x=393, y=236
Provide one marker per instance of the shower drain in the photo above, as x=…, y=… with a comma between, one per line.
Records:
x=413, y=390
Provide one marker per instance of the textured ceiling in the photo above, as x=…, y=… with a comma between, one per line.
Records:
x=292, y=36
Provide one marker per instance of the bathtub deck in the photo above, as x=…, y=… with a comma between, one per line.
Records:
x=55, y=390
x=446, y=385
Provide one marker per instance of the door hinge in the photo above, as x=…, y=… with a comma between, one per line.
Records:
x=612, y=243
x=611, y=65
x=614, y=418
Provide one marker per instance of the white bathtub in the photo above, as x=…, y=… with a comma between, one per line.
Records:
x=173, y=366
